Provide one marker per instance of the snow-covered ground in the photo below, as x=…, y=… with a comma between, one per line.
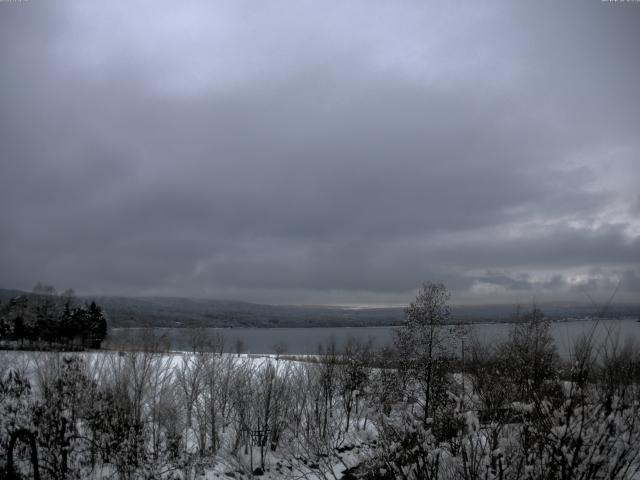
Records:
x=180, y=372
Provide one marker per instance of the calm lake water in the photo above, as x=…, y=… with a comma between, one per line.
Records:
x=306, y=340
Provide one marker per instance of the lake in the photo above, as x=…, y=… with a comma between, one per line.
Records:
x=306, y=340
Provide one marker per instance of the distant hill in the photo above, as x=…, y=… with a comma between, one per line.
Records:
x=191, y=312
x=187, y=312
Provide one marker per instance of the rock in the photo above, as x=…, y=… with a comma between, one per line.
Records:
x=346, y=448
x=349, y=474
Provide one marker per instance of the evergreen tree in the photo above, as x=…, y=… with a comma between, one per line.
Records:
x=66, y=332
x=97, y=325
x=43, y=316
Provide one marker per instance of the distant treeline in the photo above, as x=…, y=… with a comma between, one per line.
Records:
x=46, y=318
x=175, y=312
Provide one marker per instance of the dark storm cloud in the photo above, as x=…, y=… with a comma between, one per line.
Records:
x=306, y=154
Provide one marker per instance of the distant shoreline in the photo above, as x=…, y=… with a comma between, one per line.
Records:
x=394, y=325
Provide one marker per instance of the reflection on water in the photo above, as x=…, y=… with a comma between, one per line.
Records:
x=306, y=340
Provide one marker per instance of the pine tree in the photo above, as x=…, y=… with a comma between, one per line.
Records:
x=97, y=325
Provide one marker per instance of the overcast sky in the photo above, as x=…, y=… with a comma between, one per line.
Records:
x=329, y=151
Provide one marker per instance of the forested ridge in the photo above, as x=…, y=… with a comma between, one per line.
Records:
x=123, y=312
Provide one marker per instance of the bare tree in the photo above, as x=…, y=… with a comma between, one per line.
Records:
x=353, y=375
x=422, y=350
x=189, y=375
x=530, y=355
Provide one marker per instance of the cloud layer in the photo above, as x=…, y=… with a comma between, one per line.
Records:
x=334, y=152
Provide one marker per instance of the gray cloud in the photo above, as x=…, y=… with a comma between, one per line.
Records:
x=300, y=154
